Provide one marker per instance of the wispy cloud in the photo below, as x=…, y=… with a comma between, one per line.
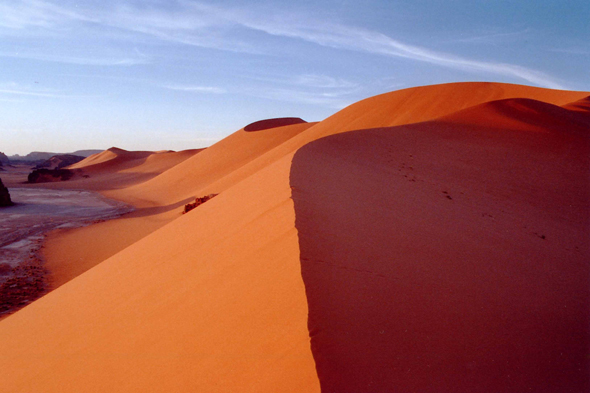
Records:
x=23, y=14
x=323, y=81
x=572, y=51
x=15, y=89
x=91, y=61
x=331, y=100
x=195, y=89
x=31, y=93
x=314, y=89
x=357, y=39
x=232, y=28
x=493, y=37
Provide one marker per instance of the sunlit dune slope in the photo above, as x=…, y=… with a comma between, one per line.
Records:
x=117, y=168
x=114, y=157
x=159, y=201
x=243, y=153
x=70, y=252
x=452, y=255
x=450, y=229
x=212, y=302
x=224, y=159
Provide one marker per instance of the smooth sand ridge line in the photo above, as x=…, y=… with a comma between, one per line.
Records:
x=214, y=301
x=524, y=114
x=135, y=316
x=449, y=256
x=394, y=108
x=106, y=171
x=71, y=252
x=580, y=105
x=119, y=160
x=425, y=103
x=111, y=157
x=220, y=160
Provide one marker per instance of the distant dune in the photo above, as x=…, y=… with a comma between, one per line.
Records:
x=273, y=123
x=431, y=239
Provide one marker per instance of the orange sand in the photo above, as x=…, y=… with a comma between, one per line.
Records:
x=452, y=255
x=214, y=300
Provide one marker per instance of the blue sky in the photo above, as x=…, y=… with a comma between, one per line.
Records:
x=181, y=74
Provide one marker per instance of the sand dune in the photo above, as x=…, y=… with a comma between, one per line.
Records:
x=273, y=123
x=159, y=200
x=582, y=105
x=446, y=254
x=199, y=305
x=70, y=252
x=117, y=168
x=449, y=257
x=195, y=176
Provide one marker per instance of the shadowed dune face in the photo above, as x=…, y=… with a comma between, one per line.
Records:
x=582, y=105
x=273, y=123
x=426, y=103
x=443, y=257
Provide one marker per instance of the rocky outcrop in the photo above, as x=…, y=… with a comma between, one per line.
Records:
x=49, y=175
x=4, y=196
x=198, y=201
x=3, y=159
x=60, y=161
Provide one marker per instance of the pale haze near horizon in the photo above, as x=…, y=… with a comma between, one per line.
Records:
x=154, y=75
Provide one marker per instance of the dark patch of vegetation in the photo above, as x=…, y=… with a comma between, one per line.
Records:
x=48, y=175
x=198, y=201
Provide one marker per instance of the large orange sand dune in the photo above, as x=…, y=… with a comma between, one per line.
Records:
x=452, y=255
x=444, y=256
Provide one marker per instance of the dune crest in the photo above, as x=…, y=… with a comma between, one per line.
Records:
x=582, y=105
x=451, y=255
x=433, y=248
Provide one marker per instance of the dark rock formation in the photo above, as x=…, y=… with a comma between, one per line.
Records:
x=49, y=175
x=198, y=201
x=86, y=153
x=32, y=158
x=4, y=196
x=3, y=159
x=60, y=161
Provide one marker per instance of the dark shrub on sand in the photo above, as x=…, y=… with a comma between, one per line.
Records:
x=198, y=201
x=49, y=175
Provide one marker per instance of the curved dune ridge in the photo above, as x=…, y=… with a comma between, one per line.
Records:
x=441, y=246
x=582, y=105
x=523, y=114
x=442, y=257
x=112, y=156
